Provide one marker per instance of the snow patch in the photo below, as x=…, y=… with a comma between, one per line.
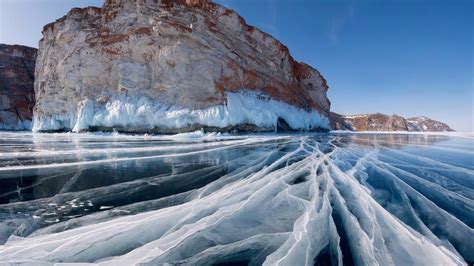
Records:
x=354, y=116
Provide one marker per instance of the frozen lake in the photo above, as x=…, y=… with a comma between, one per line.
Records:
x=206, y=199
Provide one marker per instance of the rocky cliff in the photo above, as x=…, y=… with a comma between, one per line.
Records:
x=166, y=66
x=17, y=64
x=381, y=122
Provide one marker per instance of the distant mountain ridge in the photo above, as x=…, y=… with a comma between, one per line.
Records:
x=382, y=122
x=423, y=123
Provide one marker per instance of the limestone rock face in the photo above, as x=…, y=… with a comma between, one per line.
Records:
x=17, y=64
x=96, y=64
x=338, y=122
x=381, y=122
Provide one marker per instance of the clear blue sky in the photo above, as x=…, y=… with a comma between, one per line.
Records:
x=408, y=57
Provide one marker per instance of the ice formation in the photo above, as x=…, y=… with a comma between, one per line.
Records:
x=244, y=107
x=16, y=125
x=201, y=199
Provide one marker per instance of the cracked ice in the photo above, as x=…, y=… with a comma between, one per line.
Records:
x=200, y=199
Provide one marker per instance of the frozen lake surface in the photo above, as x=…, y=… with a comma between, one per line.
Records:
x=204, y=199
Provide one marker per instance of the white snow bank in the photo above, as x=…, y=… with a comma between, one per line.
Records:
x=354, y=116
x=144, y=113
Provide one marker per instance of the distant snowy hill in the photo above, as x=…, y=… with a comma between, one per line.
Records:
x=423, y=123
x=381, y=122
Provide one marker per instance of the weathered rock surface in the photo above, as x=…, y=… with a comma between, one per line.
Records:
x=156, y=64
x=381, y=122
x=338, y=122
x=17, y=64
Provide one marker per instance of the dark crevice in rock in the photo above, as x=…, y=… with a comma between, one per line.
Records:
x=282, y=126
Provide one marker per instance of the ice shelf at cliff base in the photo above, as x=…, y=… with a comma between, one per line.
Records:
x=135, y=115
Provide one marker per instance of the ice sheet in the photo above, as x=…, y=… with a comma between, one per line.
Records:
x=201, y=199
